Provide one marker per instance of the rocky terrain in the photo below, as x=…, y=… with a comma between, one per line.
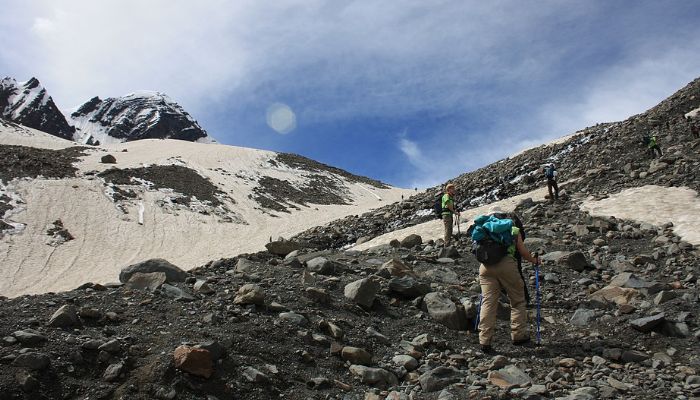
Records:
x=595, y=161
x=305, y=319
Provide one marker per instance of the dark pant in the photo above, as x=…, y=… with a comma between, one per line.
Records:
x=551, y=183
x=655, y=149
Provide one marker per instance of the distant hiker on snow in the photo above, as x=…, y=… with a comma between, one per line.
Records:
x=652, y=145
x=550, y=172
x=448, y=209
x=496, y=242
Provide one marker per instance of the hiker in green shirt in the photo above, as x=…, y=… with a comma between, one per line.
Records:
x=448, y=210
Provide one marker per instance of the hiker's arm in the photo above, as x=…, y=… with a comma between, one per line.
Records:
x=520, y=245
x=451, y=207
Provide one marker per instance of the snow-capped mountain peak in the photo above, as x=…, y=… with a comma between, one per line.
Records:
x=28, y=103
x=138, y=115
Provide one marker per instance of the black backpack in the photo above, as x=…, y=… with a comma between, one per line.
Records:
x=549, y=172
x=489, y=251
x=437, y=205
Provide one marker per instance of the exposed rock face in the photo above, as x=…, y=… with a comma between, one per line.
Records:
x=29, y=104
x=140, y=115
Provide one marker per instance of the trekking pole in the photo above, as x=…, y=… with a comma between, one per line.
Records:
x=458, y=232
x=478, y=313
x=537, y=296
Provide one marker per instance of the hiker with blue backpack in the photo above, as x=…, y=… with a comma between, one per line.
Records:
x=496, y=243
x=550, y=172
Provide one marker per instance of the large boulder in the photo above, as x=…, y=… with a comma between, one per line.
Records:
x=172, y=272
x=408, y=287
x=194, y=361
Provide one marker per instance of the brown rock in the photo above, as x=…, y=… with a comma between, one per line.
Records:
x=194, y=361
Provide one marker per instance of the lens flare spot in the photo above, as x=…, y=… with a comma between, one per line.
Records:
x=281, y=118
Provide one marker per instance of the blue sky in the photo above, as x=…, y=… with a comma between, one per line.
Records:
x=409, y=92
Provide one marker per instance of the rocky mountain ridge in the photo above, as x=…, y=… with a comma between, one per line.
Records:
x=139, y=115
x=29, y=104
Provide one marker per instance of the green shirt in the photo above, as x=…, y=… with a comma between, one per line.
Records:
x=515, y=232
x=447, y=199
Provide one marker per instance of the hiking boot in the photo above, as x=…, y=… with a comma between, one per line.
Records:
x=522, y=342
x=487, y=349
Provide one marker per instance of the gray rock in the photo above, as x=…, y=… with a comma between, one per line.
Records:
x=509, y=377
x=282, y=247
x=408, y=287
x=294, y=318
x=108, y=159
x=648, y=324
x=250, y=294
x=112, y=372
x=449, y=252
x=575, y=260
x=323, y=266
x=634, y=356
x=172, y=272
x=255, y=376
x=65, y=317
x=439, y=378
x=146, y=280
x=27, y=382
x=374, y=376
x=362, y=292
x=406, y=361
x=675, y=329
x=112, y=346
x=176, y=293
x=203, y=287
x=412, y=240
x=33, y=361
x=582, y=317
x=444, y=311
x=29, y=337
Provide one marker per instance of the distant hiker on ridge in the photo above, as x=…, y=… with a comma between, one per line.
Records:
x=653, y=146
x=448, y=209
x=550, y=172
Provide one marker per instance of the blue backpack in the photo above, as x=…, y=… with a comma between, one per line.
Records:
x=491, y=238
x=549, y=172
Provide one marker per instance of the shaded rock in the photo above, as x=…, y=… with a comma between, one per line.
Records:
x=108, y=159
x=439, y=378
x=29, y=337
x=444, y=311
x=374, y=376
x=172, y=272
x=176, y=292
x=362, y=292
x=112, y=372
x=395, y=268
x=582, y=317
x=250, y=294
x=282, y=247
x=449, y=252
x=323, y=266
x=412, y=240
x=203, y=287
x=65, y=317
x=194, y=361
x=255, y=376
x=633, y=356
x=406, y=361
x=509, y=377
x=26, y=381
x=356, y=355
x=146, y=280
x=575, y=260
x=648, y=324
x=33, y=361
x=318, y=295
x=294, y=318
x=408, y=287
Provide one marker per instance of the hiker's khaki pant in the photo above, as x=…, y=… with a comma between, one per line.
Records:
x=447, y=219
x=492, y=278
